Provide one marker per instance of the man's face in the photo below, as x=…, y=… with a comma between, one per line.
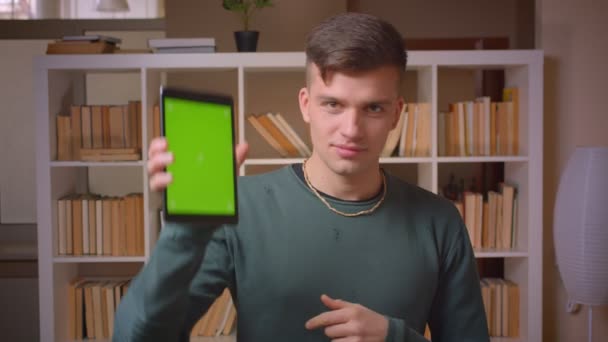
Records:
x=350, y=116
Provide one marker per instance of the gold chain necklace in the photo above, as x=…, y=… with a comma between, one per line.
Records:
x=359, y=213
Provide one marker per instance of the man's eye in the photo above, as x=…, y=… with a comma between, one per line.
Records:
x=375, y=108
x=332, y=106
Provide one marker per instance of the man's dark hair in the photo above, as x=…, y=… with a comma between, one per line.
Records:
x=352, y=42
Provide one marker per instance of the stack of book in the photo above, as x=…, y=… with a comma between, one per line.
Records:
x=219, y=319
x=85, y=44
x=491, y=218
x=100, y=133
x=501, y=303
x=92, y=307
x=182, y=45
x=90, y=224
x=412, y=135
x=481, y=127
x=279, y=134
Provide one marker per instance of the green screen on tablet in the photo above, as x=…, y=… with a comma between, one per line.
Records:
x=199, y=132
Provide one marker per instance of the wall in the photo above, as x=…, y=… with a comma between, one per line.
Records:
x=572, y=34
x=447, y=19
x=17, y=140
x=56, y=28
x=283, y=27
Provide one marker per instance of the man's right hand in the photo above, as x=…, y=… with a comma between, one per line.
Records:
x=159, y=157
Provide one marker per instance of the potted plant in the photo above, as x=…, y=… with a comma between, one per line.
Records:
x=246, y=40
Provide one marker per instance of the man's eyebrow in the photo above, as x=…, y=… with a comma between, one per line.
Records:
x=380, y=101
x=328, y=98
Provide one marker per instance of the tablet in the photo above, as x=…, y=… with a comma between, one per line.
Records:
x=199, y=129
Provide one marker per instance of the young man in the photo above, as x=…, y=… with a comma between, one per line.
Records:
x=333, y=248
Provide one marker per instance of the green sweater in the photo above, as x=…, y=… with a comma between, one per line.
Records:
x=411, y=260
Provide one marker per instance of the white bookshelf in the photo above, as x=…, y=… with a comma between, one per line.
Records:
x=61, y=81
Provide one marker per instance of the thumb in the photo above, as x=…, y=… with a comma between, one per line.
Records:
x=241, y=153
x=333, y=304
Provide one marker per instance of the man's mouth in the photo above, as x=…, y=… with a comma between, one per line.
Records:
x=348, y=151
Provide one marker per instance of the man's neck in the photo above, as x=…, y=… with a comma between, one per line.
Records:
x=362, y=186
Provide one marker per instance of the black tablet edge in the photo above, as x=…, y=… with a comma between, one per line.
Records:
x=204, y=97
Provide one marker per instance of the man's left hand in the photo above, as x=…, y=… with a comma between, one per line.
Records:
x=349, y=322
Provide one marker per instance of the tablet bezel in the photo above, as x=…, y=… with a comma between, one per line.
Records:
x=207, y=98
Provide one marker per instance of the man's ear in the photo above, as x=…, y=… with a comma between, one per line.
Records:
x=304, y=100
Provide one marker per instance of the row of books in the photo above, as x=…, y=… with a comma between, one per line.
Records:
x=491, y=220
x=89, y=224
x=279, y=134
x=412, y=135
x=501, y=304
x=83, y=44
x=100, y=132
x=480, y=127
x=95, y=44
x=220, y=318
x=92, y=305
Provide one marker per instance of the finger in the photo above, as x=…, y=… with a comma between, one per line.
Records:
x=327, y=318
x=157, y=145
x=340, y=330
x=345, y=339
x=241, y=153
x=159, y=162
x=334, y=304
x=160, y=181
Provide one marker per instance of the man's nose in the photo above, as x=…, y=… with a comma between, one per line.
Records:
x=352, y=123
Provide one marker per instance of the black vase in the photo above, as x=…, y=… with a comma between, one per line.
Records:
x=246, y=41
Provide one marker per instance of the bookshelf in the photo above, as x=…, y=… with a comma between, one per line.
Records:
x=62, y=80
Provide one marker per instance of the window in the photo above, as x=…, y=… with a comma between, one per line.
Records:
x=87, y=9
x=78, y=9
x=17, y=9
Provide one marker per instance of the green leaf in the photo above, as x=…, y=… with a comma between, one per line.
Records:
x=245, y=8
x=234, y=5
x=263, y=3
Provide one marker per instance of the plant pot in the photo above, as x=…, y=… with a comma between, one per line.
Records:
x=246, y=41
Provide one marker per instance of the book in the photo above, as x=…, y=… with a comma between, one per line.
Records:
x=302, y=146
x=64, y=136
x=278, y=135
x=393, y=136
x=180, y=42
x=92, y=38
x=512, y=95
x=423, y=130
x=61, y=226
x=288, y=132
x=188, y=49
x=253, y=120
x=76, y=130
x=64, y=48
